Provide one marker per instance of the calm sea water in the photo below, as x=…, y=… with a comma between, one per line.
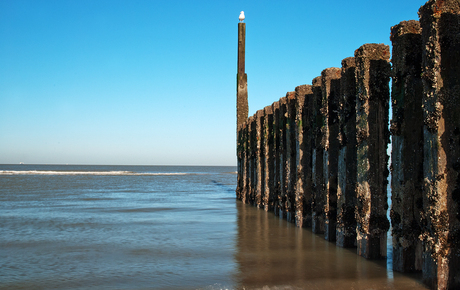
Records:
x=160, y=227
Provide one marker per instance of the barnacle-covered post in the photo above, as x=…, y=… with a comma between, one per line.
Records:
x=252, y=159
x=373, y=94
x=318, y=199
x=268, y=154
x=290, y=165
x=259, y=163
x=282, y=152
x=240, y=151
x=407, y=146
x=277, y=157
x=440, y=23
x=330, y=145
x=303, y=157
x=244, y=163
x=346, y=179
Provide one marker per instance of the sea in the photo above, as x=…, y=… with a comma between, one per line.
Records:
x=161, y=227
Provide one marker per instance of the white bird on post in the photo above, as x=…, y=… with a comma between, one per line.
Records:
x=241, y=16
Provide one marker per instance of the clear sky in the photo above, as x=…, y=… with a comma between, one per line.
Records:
x=154, y=82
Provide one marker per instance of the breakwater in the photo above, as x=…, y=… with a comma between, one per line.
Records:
x=318, y=156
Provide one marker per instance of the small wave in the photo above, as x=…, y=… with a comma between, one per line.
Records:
x=107, y=173
x=145, y=209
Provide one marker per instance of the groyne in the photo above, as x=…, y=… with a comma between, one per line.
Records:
x=318, y=156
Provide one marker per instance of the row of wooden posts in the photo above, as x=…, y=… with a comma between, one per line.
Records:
x=318, y=156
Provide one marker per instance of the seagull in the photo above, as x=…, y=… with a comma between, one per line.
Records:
x=241, y=16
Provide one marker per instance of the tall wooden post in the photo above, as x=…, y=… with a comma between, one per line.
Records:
x=242, y=109
x=304, y=96
x=330, y=88
x=440, y=23
x=241, y=79
x=347, y=160
x=318, y=199
x=260, y=164
x=268, y=158
x=407, y=146
x=373, y=136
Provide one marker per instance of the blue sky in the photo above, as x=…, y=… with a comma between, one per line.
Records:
x=153, y=82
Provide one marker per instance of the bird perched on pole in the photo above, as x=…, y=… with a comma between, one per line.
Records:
x=241, y=16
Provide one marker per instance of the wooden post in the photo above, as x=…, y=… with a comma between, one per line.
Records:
x=242, y=112
x=269, y=152
x=303, y=157
x=373, y=136
x=242, y=108
x=330, y=146
x=318, y=200
x=346, y=190
x=259, y=161
x=407, y=146
x=290, y=165
x=282, y=152
x=240, y=154
x=244, y=129
x=277, y=157
x=252, y=159
x=440, y=23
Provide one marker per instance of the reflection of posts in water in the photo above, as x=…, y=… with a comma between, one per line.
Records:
x=271, y=252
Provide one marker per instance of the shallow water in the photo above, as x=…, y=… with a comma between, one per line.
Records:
x=273, y=252
x=160, y=227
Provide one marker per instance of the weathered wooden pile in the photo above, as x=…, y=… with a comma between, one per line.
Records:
x=318, y=157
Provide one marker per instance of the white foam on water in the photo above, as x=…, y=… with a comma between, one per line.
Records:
x=108, y=173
